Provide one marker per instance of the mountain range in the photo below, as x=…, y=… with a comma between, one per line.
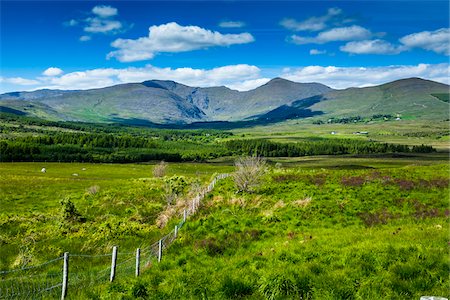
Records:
x=169, y=102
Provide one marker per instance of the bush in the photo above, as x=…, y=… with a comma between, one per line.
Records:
x=160, y=169
x=249, y=173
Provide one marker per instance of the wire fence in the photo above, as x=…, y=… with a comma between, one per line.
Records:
x=46, y=281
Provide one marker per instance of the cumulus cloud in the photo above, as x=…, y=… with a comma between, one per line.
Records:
x=52, y=71
x=344, y=77
x=371, y=47
x=231, y=24
x=99, y=25
x=18, y=81
x=312, y=23
x=240, y=77
x=172, y=37
x=350, y=33
x=437, y=41
x=317, y=52
x=101, y=20
x=104, y=11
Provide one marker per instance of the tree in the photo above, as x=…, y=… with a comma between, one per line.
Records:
x=249, y=173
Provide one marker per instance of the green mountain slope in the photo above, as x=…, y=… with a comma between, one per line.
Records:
x=165, y=101
x=169, y=102
x=407, y=97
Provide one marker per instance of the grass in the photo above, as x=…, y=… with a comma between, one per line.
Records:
x=407, y=132
x=319, y=227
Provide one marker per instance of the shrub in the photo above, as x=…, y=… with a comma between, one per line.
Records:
x=160, y=169
x=70, y=212
x=92, y=190
x=249, y=173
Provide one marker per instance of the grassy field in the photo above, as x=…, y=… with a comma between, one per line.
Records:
x=408, y=132
x=343, y=227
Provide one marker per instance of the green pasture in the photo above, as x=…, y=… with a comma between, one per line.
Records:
x=324, y=227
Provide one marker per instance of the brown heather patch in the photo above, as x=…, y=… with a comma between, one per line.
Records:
x=353, y=181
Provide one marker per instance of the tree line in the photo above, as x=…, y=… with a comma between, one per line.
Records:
x=267, y=148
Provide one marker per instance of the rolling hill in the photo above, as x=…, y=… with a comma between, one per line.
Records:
x=169, y=102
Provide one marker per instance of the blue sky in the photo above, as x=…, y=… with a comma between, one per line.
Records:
x=240, y=44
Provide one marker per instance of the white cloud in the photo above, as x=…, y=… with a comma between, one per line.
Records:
x=18, y=81
x=100, y=25
x=371, y=47
x=248, y=84
x=102, y=20
x=235, y=76
x=239, y=77
x=350, y=33
x=104, y=11
x=311, y=24
x=437, y=41
x=52, y=71
x=172, y=37
x=317, y=52
x=85, y=38
x=344, y=77
x=231, y=24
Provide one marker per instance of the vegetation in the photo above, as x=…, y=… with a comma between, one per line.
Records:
x=304, y=233
x=249, y=173
x=364, y=220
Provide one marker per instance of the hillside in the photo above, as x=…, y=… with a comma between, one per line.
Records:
x=169, y=102
x=160, y=102
x=407, y=97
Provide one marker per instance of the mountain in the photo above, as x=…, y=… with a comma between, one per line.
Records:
x=411, y=97
x=169, y=102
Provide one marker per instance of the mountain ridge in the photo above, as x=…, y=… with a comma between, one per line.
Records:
x=170, y=102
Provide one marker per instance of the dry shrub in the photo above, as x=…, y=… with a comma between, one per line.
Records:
x=237, y=201
x=92, y=190
x=303, y=202
x=160, y=169
x=249, y=173
x=279, y=204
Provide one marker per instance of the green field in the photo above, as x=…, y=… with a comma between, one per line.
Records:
x=343, y=227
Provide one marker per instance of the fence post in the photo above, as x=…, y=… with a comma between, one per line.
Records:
x=138, y=260
x=159, y=250
x=184, y=216
x=113, y=264
x=65, y=276
x=176, y=231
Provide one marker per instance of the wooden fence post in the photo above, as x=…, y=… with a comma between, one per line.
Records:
x=138, y=260
x=113, y=264
x=160, y=251
x=65, y=276
x=184, y=216
x=176, y=231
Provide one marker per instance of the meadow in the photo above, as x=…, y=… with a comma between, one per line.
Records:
x=337, y=227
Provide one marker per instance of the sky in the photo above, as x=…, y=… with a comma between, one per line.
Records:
x=240, y=44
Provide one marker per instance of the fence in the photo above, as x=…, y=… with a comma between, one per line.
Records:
x=46, y=281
